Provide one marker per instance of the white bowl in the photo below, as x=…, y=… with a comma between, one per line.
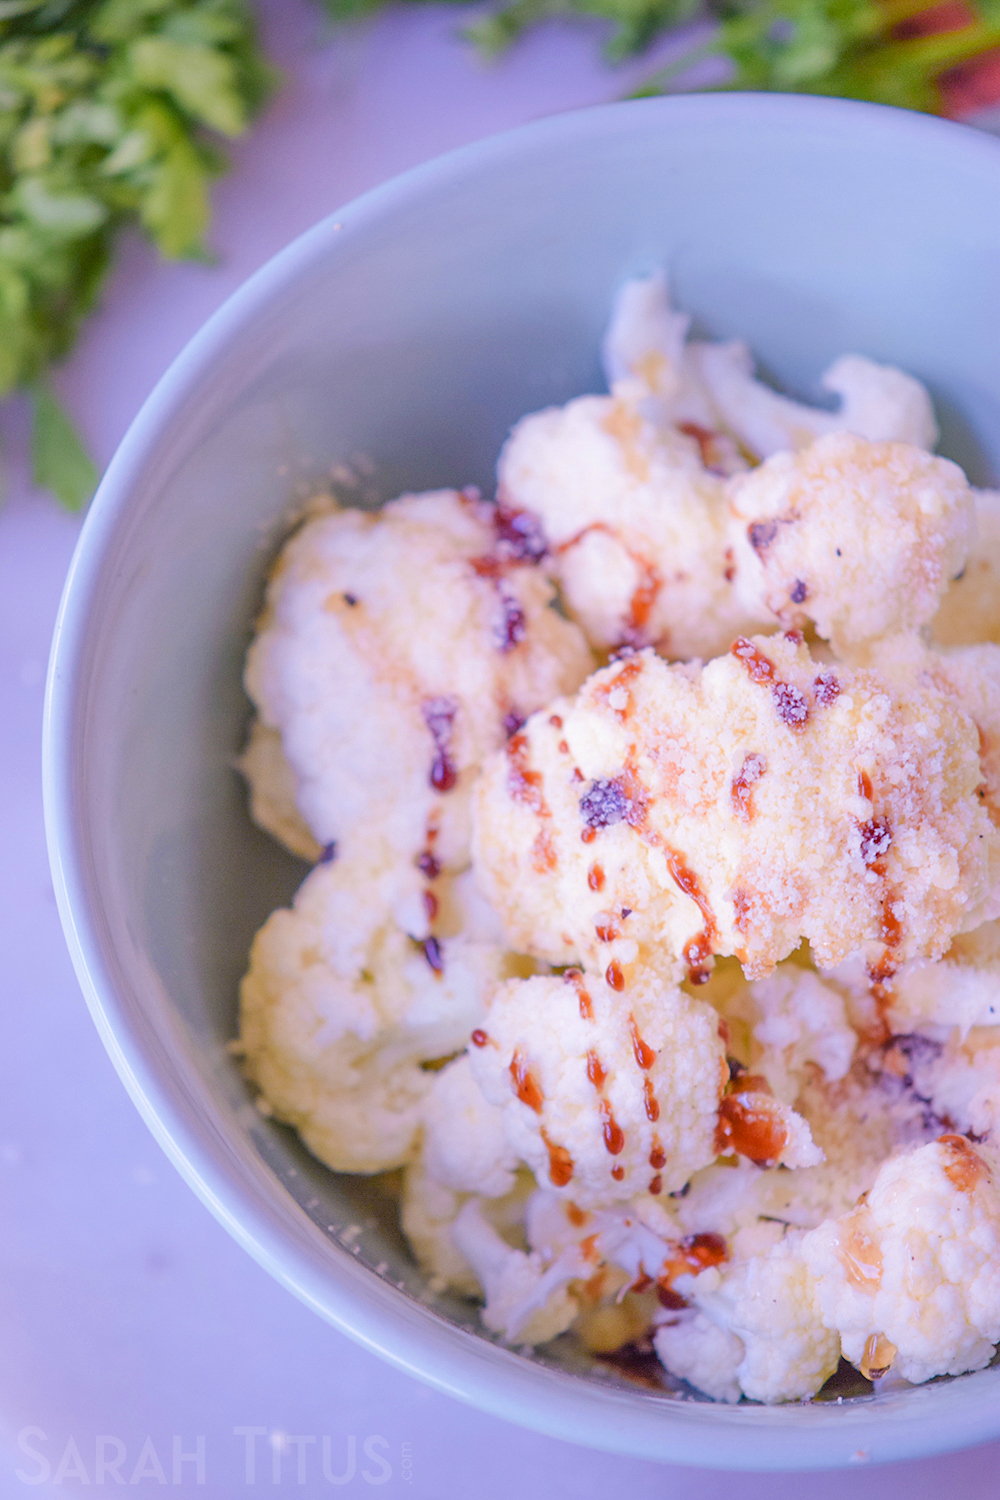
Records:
x=414, y=327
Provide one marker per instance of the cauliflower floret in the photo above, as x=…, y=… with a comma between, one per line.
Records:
x=946, y=1081
x=795, y=1021
x=429, y=1209
x=767, y=1303
x=526, y=1302
x=634, y=524
x=962, y=989
x=339, y=1008
x=603, y=1096
x=972, y=673
x=273, y=790
x=395, y=651
x=861, y=538
x=713, y=385
x=669, y=813
x=970, y=610
x=691, y=1346
x=910, y=1279
x=465, y=1147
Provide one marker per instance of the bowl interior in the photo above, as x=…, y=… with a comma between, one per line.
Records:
x=391, y=349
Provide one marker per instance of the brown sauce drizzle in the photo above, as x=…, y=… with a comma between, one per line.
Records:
x=826, y=687
x=618, y=1173
x=614, y=1136
x=751, y=771
x=694, y=1253
x=708, y=445
x=729, y=571
x=701, y=947
x=575, y=978
x=560, y=1163
x=629, y=671
x=439, y=716
x=865, y=785
x=512, y=626
x=622, y=799
x=644, y=1054
x=791, y=705
x=576, y=1215
x=742, y=904
x=668, y=1298
x=651, y=1101
x=519, y=533
x=479, y=1037
x=876, y=839
x=759, y=666
x=963, y=1167
x=607, y=932
x=641, y=604
x=555, y=721
x=878, y=1356
x=526, y=1085
x=656, y=1184
x=595, y=1070
x=525, y=786
x=750, y=1123
x=760, y=534
x=614, y=975
x=859, y=1250
x=657, y=1155
x=644, y=595
x=595, y=877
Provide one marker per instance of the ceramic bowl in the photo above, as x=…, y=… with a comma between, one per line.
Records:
x=413, y=328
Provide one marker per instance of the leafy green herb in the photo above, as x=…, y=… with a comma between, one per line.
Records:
x=59, y=461
x=887, y=51
x=106, y=110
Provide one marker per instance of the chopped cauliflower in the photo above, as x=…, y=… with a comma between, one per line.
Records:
x=525, y=1302
x=962, y=989
x=970, y=610
x=602, y=1096
x=910, y=1279
x=756, y=1329
x=465, y=1147
x=429, y=1209
x=634, y=525
x=395, y=652
x=796, y=1022
x=712, y=385
x=669, y=813
x=860, y=538
x=273, y=790
x=339, y=1008
x=755, y=1166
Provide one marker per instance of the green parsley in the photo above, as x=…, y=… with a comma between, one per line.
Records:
x=860, y=49
x=108, y=109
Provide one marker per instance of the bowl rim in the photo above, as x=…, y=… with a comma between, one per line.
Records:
x=357, y=1302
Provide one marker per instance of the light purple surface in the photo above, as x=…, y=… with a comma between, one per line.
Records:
x=126, y=1310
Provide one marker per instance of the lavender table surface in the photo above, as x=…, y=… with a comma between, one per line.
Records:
x=131, y=1323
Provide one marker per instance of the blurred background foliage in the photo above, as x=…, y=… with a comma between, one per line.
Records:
x=114, y=112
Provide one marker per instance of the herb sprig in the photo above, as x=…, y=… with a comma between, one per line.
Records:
x=108, y=110
x=900, y=52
